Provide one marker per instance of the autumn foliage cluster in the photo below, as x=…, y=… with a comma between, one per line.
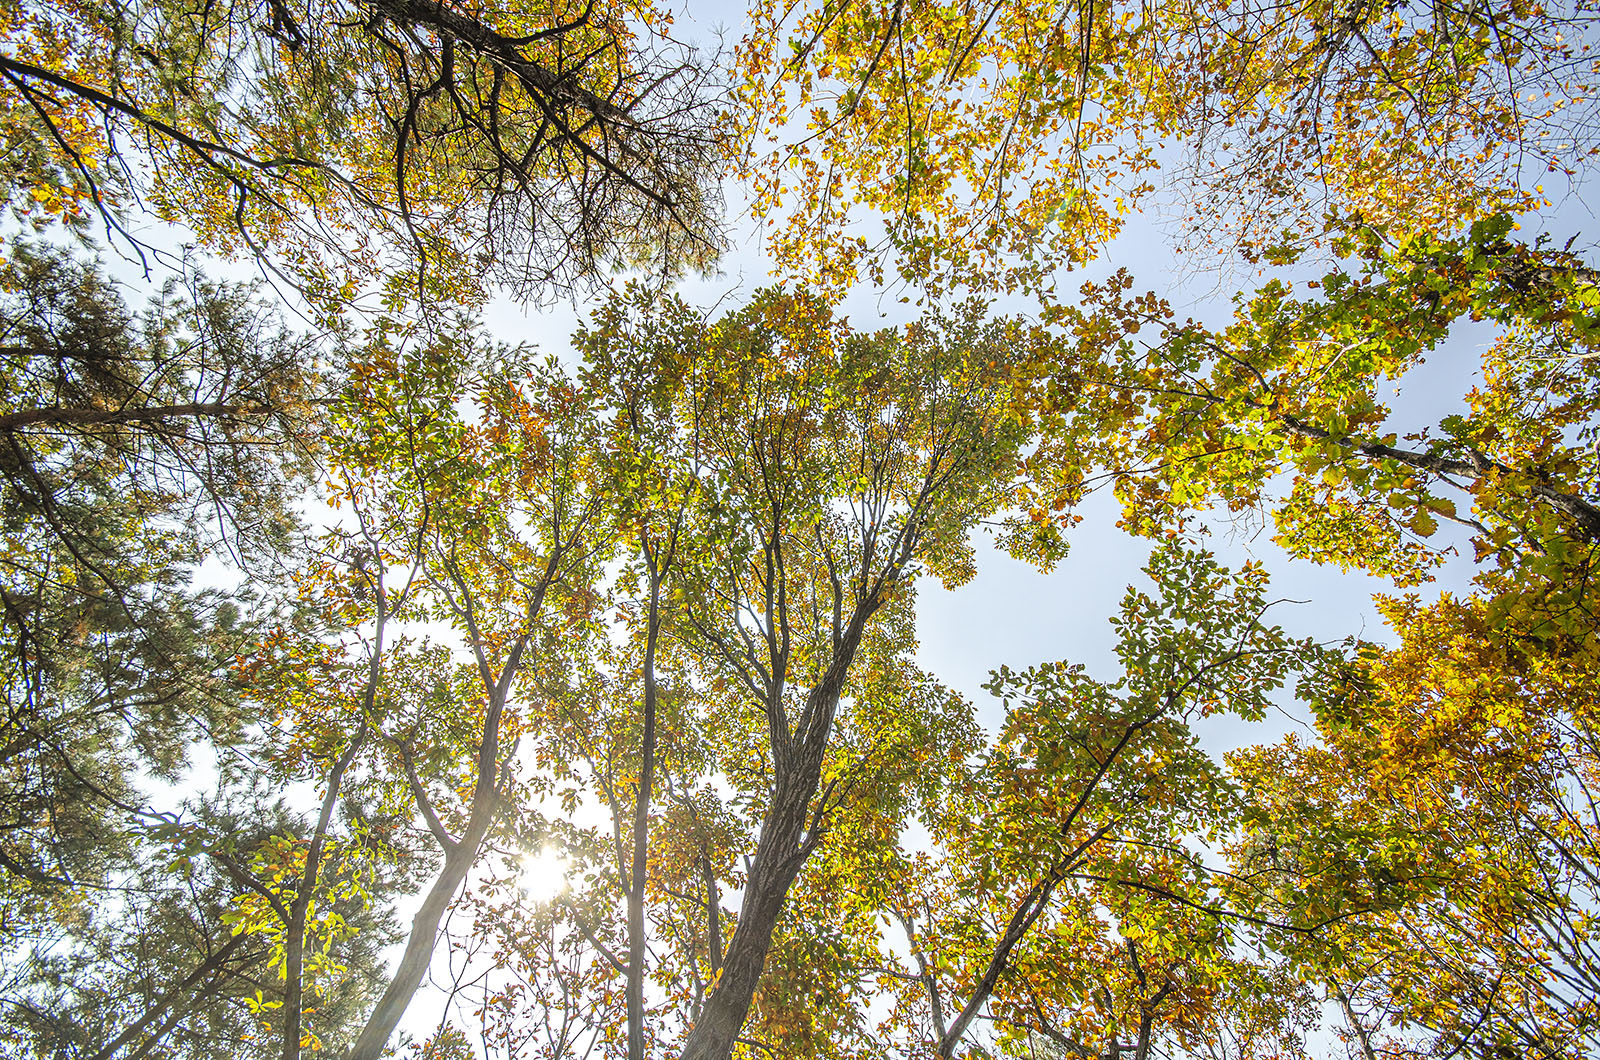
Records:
x=373, y=684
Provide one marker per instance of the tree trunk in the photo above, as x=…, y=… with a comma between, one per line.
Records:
x=641, y=830
x=779, y=856
x=419, y=949
x=785, y=842
x=458, y=861
x=1356, y=1027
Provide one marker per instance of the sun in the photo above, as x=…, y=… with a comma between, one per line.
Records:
x=542, y=875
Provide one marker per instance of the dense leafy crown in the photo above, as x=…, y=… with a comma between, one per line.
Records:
x=320, y=603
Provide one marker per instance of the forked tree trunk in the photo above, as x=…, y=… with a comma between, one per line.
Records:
x=780, y=853
x=779, y=856
x=458, y=861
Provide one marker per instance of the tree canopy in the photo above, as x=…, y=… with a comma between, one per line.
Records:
x=375, y=684
x=529, y=146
